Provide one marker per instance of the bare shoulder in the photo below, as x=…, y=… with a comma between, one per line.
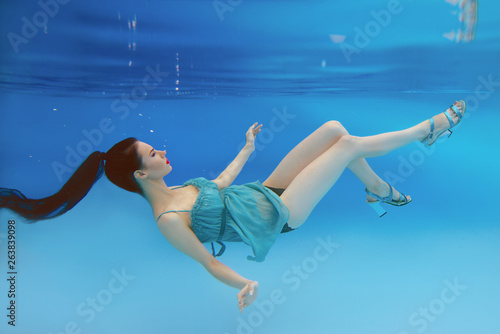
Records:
x=171, y=225
x=171, y=218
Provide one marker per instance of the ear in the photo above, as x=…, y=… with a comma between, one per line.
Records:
x=138, y=174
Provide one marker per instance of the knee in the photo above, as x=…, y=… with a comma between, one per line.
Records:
x=336, y=127
x=351, y=142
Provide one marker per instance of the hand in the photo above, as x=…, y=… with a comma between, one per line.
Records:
x=252, y=131
x=248, y=294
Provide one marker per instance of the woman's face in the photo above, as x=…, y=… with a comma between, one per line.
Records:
x=154, y=163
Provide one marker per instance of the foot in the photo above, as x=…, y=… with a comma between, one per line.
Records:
x=383, y=190
x=441, y=123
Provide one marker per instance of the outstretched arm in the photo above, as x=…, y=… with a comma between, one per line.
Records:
x=183, y=238
x=226, y=178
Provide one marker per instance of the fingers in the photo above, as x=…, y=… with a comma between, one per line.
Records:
x=254, y=124
x=257, y=129
x=241, y=305
x=244, y=296
x=241, y=301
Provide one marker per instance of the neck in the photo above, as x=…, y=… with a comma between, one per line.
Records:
x=158, y=194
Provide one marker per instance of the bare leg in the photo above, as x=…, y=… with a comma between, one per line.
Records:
x=370, y=179
x=312, y=147
x=383, y=189
x=320, y=175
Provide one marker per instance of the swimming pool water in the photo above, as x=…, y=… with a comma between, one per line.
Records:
x=190, y=78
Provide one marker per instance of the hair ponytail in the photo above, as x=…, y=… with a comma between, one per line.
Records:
x=70, y=194
x=121, y=162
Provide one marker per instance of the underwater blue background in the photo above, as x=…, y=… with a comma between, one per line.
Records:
x=76, y=83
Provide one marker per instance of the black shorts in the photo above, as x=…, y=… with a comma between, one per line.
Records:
x=279, y=191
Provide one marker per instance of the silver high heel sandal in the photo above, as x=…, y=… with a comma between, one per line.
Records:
x=432, y=137
x=403, y=200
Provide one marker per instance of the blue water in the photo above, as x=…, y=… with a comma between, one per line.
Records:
x=429, y=267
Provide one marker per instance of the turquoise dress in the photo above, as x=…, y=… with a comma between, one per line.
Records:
x=248, y=213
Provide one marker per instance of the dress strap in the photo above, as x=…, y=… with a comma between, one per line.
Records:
x=221, y=251
x=171, y=211
x=221, y=234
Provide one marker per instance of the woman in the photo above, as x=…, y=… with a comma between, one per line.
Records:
x=213, y=211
